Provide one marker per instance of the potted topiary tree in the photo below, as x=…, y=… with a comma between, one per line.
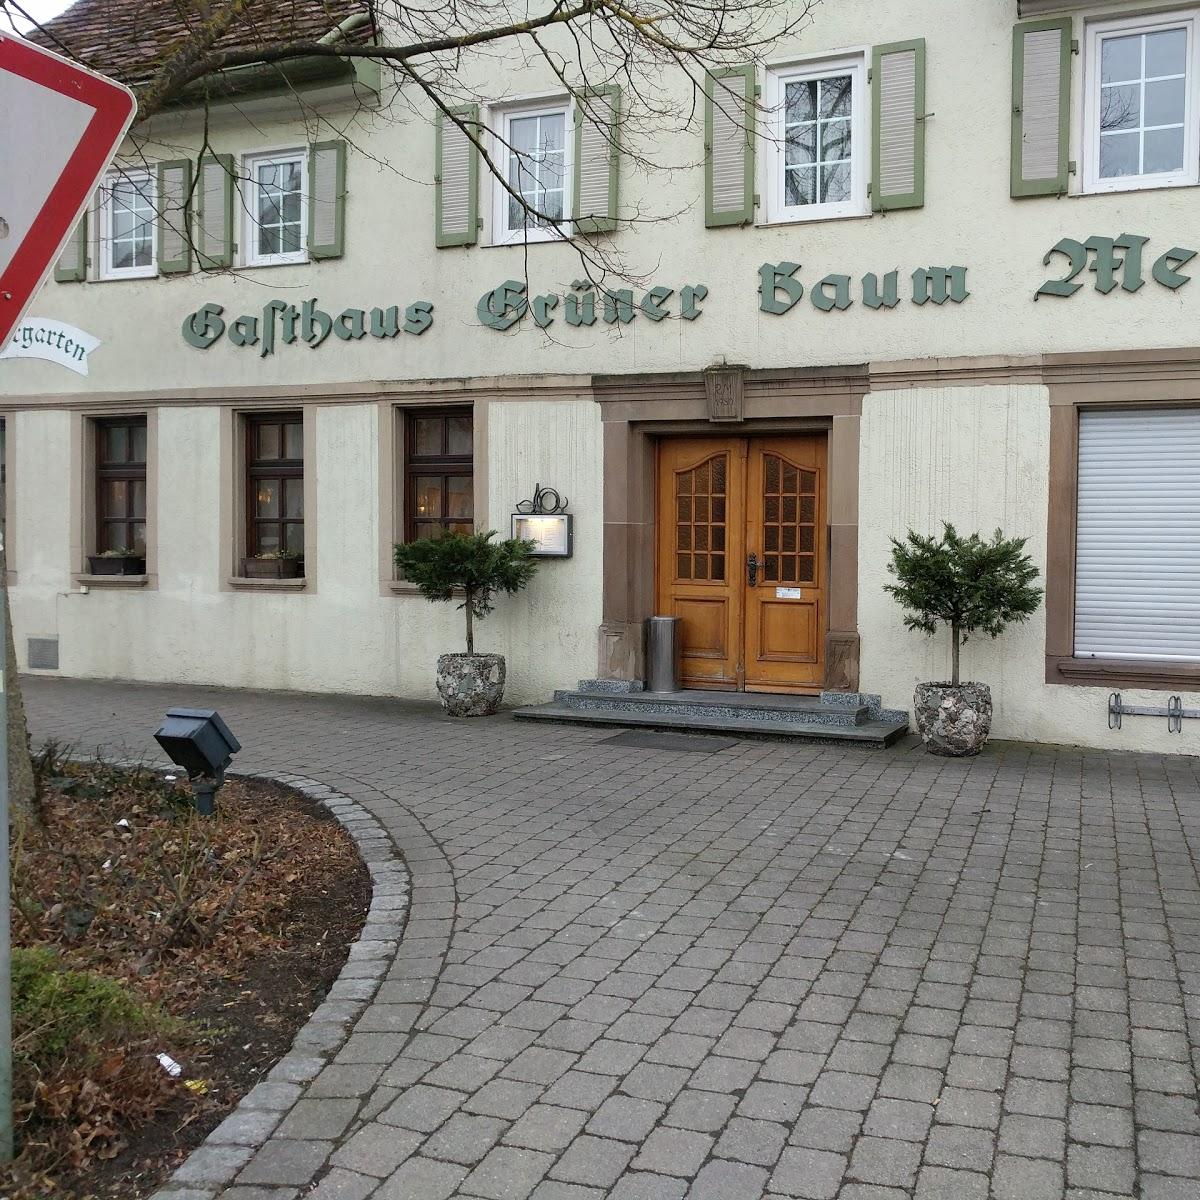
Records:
x=475, y=566
x=974, y=586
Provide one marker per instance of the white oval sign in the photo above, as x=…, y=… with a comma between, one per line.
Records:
x=55, y=341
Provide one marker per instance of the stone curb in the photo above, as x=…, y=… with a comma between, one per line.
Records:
x=212, y=1166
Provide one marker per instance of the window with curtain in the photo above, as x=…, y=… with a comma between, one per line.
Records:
x=439, y=475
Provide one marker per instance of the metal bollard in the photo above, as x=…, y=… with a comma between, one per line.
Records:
x=663, y=644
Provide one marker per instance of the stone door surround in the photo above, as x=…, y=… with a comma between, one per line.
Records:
x=638, y=410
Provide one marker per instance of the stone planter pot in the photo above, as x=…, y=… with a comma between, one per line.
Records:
x=470, y=685
x=953, y=721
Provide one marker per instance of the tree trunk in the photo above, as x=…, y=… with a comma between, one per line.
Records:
x=470, y=625
x=20, y=767
x=956, y=640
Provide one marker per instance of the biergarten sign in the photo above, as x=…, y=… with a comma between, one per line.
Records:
x=54, y=341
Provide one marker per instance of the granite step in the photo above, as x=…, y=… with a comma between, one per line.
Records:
x=870, y=732
x=749, y=706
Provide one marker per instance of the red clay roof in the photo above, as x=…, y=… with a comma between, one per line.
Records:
x=129, y=39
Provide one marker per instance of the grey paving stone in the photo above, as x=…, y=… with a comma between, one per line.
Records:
x=626, y=1118
x=826, y=1129
x=286, y=1162
x=705, y=1112
x=464, y=1139
x=508, y=1173
x=1103, y=1168
x=942, y=1183
x=595, y=1162
x=547, y=1127
x=673, y=1152
x=885, y=1161
x=213, y=1164
x=959, y=1146
x=643, y=1185
x=1027, y=1179
x=721, y=1180
x=318, y=1119
x=422, y=1179
x=750, y=1141
x=376, y=1150
x=344, y=1185
x=811, y=1174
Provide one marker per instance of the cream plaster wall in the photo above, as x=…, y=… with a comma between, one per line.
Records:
x=979, y=458
x=343, y=634
x=968, y=219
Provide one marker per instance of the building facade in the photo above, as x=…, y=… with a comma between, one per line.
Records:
x=909, y=270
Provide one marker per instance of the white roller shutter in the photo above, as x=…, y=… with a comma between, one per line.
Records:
x=1137, y=557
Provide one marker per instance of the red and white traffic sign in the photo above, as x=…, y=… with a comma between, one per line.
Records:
x=60, y=126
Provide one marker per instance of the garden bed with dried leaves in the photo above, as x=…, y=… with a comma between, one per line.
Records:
x=162, y=962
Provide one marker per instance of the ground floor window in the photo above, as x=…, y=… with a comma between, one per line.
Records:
x=1137, y=557
x=439, y=472
x=121, y=485
x=275, y=484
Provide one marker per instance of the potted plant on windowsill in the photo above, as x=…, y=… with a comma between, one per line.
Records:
x=971, y=585
x=476, y=567
x=117, y=562
x=274, y=564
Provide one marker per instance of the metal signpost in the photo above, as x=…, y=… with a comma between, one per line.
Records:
x=60, y=126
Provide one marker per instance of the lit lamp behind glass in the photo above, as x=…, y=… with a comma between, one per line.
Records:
x=545, y=522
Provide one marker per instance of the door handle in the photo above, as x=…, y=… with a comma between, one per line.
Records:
x=752, y=570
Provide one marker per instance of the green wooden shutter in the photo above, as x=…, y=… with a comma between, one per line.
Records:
x=214, y=212
x=597, y=159
x=1041, y=107
x=327, y=199
x=174, y=211
x=898, y=126
x=729, y=146
x=456, y=178
x=72, y=262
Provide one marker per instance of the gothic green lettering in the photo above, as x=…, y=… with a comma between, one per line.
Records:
x=503, y=306
x=203, y=327
x=774, y=278
x=653, y=301
x=1166, y=271
x=840, y=299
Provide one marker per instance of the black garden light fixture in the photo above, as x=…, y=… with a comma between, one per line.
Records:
x=197, y=740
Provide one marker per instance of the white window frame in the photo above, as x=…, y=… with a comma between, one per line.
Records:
x=778, y=77
x=104, y=234
x=499, y=144
x=1097, y=32
x=248, y=200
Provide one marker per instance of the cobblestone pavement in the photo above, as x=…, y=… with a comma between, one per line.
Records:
x=767, y=971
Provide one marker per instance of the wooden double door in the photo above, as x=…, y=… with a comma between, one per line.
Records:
x=741, y=558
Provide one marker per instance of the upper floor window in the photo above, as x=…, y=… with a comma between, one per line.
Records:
x=126, y=225
x=1141, y=115
x=816, y=148
x=535, y=150
x=276, y=208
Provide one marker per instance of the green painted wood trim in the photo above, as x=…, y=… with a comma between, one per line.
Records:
x=183, y=264
x=915, y=198
x=224, y=256
x=77, y=271
x=745, y=214
x=442, y=239
x=608, y=223
x=336, y=247
x=1057, y=186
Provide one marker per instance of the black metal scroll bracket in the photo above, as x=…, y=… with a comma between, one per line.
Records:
x=545, y=502
x=1174, y=712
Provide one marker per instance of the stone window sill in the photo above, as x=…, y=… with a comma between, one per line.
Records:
x=112, y=581
x=1124, y=673
x=241, y=584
